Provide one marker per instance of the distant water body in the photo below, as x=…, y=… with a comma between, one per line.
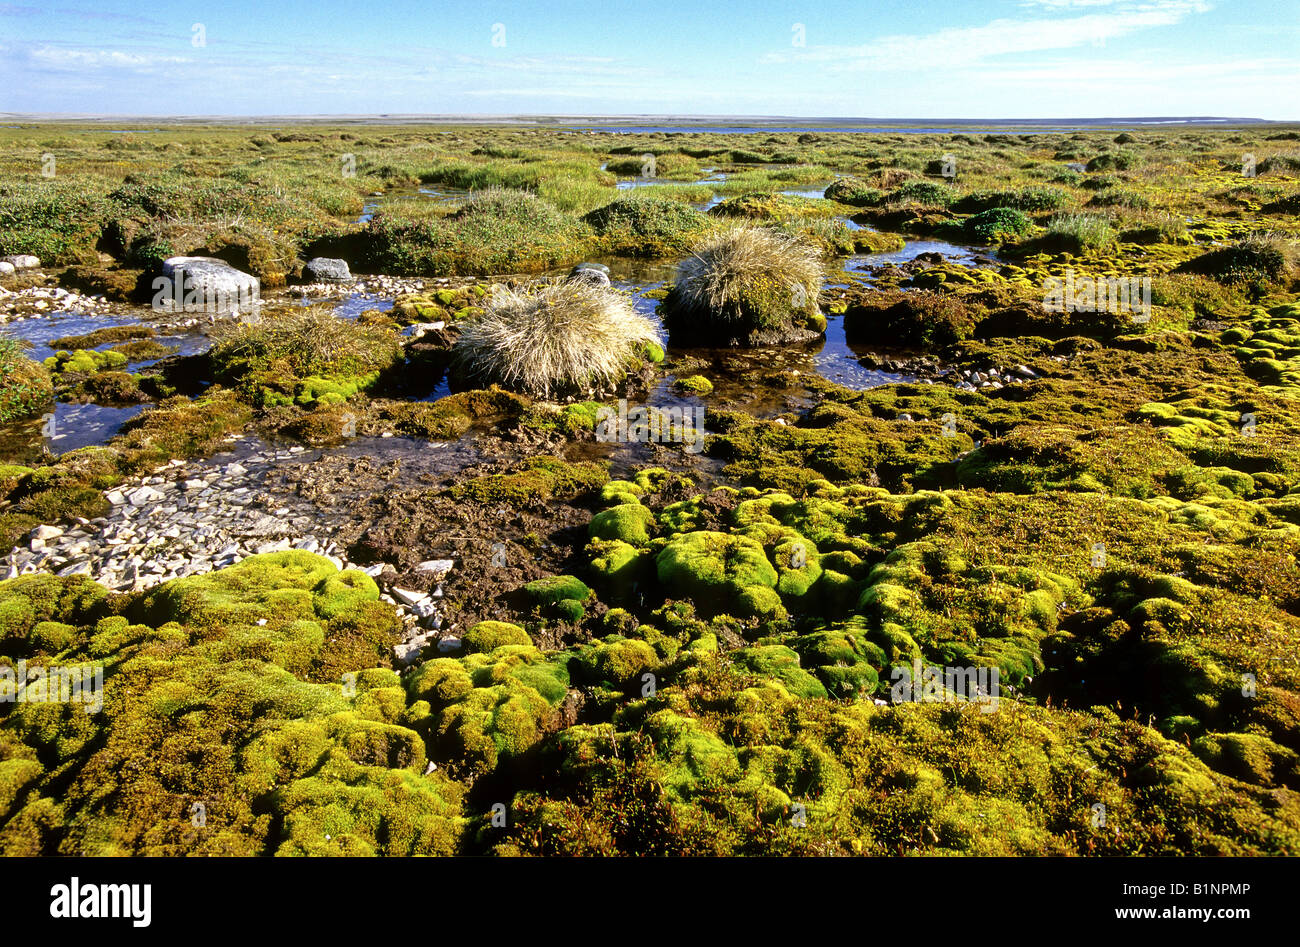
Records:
x=752, y=130
x=1008, y=127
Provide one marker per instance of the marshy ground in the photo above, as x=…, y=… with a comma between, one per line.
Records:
x=349, y=596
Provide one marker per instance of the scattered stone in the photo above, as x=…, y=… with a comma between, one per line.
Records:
x=143, y=495
x=324, y=269
x=421, y=329
x=409, y=598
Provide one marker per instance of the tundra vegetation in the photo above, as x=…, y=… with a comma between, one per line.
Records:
x=680, y=654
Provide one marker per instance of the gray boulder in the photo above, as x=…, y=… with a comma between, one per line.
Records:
x=6, y=268
x=597, y=274
x=203, y=284
x=24, y=261
x=324, y=270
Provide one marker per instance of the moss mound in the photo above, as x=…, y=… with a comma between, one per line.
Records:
x=647, y=226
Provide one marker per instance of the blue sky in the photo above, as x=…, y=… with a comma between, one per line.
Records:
x=912, y=58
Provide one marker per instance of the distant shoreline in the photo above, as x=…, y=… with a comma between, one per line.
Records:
x=646, y=122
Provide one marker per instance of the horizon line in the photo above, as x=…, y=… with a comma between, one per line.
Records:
x=596, y=121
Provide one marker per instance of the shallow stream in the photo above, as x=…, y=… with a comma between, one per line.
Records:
x=69, y=426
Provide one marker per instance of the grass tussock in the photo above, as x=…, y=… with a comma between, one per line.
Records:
x=995, y=224
x=725, y=270
x=305, y=342
x=553, y=340
x=1078, y=233
x=746, y=282
x=1258, y=258
x=496, y=230
x=638, y=225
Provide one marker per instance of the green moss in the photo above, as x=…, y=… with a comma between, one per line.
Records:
x=541, y=479
x=556, y=589
x=493, y=724
x=621, y=491
x=955, y=528
x=873, y=241
x=1250, y=757
x=487, y=636
x=646, y=226
x=694, y=384
x=450, y=417
x=923, y=319
x=83, y=362
x=10, y=474
x=179, y=428
x=843, y=658
x=368, y=813
x=620, y=568
x=716, y=570
x=849, y=190
x=616, y=661
x=781, y=663
x=757, y=601
x=797, y=566
x=626, y=522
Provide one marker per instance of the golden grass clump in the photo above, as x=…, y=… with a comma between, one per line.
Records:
x=553, y=340
x=745, y=281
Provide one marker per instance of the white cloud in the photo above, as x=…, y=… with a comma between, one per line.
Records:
x=1062, y=4
x=66, y=58
x=964, y=46
x=1118, y=71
